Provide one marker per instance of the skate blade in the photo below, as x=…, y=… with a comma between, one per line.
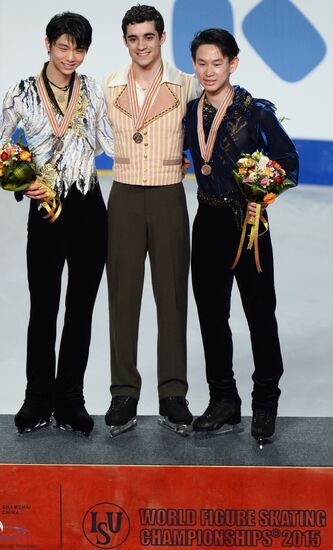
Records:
x=68, y=428
x=224, y=430
x=181, y=429
x=42, y=423
x=121, y=428
x=263, y=441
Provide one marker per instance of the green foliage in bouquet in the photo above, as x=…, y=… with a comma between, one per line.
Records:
x=17, y=170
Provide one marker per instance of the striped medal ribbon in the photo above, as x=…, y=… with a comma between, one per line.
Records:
x=206, y=149
x=139, y=115
x=58, y=128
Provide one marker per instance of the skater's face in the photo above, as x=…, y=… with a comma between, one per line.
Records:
x=213, y=69
x=65, y=56
x=144, y=44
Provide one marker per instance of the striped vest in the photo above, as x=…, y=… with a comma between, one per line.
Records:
x=157, y=160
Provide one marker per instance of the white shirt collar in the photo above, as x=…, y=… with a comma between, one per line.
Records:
x=170, y=74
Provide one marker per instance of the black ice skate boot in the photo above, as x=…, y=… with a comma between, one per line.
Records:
x=263, y=425
x=175, y=415
x=220, y=417
x=33, y=415
x=72, y=415
x=121, y=415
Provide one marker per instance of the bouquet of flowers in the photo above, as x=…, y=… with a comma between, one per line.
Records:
x=17, y=172
x=260, y=180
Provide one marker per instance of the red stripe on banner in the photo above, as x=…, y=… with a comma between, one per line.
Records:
x=135, y=507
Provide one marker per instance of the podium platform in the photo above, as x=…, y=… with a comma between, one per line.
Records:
x=298, y=442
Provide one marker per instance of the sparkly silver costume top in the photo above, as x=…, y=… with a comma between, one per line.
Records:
x=69, y=160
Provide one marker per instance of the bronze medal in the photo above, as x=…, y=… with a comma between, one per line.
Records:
x=137, y=137
x=206, y=169
x=206, y=148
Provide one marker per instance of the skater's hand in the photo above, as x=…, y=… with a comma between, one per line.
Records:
x=186, y=165
x=37, y=192
x=251, y=208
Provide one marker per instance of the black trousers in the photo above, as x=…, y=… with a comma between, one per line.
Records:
x=214, y=245
x=77, y=237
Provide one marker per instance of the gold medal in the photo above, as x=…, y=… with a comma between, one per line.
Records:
x=139, y=115
x=137, y=137
x=206, y=169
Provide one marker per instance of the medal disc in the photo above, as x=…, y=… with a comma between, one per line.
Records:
x=137, y=137
x=206, y=169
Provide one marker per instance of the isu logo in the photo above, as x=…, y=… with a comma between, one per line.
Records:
x=106, y=525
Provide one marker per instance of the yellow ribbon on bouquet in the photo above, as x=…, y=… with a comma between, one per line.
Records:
x=51, y=204
x=253, y=237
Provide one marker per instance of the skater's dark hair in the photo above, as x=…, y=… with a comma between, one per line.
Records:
x=220, y=38
x=140, y=14
x=76, y=26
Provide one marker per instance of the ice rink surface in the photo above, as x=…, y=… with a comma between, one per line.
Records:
x=301, y=223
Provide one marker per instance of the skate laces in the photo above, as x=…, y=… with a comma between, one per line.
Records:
x=180, y=402
x=118, y=402
x=212, y=407
x=261, y=416
x=215, y=406
x=176, y=409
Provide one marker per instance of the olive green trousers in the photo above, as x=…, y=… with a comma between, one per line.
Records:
x=148, y=220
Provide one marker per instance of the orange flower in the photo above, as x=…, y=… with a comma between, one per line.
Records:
x=269, y=198
x=11, y=151
x=25, y=155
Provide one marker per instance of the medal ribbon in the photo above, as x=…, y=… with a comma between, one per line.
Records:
x=139, y=115
x=58, y=129
x=253, y=237
x=206, y=149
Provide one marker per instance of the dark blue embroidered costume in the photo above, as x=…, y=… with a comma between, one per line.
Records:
x=249, y=124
